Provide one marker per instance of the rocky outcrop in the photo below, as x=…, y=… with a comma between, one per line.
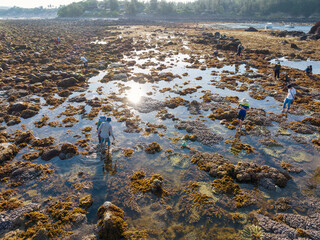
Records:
x=268, y=177
x=291, y=226
x=65, y=151
x=315, y=29
x=111, y=224
x=204, y=134
x=12, y=219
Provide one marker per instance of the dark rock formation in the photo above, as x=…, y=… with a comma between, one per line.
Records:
x=315, y=29
x=251, y=29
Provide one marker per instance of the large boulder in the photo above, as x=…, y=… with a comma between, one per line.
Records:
x=111, y=224
x=315, y=29
x=48, y=154
x=67, y=82
x=17, y=107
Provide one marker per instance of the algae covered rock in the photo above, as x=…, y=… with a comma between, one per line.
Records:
x=48, y=154
x=153, y=148
x=86, y=201
x=68, y=148
x=7, y=152
x=12, y=219
x=111, y=224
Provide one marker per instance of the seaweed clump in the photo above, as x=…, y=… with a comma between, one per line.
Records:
x=153, y=148
x=141, y=184
x=226, y=185
x=128, y=152
x=111, y=223
x=252, y=232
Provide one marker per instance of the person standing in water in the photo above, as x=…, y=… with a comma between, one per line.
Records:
x=105, y=132
x=243, y=106
x=101, y=120
x=289, y=99
x=277, y=69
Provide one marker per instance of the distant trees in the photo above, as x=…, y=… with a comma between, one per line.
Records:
x=28, y=12
x=252, y=8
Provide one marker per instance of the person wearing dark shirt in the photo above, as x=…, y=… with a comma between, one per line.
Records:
x=243, y=106
x=277, y=69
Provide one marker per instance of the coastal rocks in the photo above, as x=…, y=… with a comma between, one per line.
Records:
x=291, y=226
x=111, y=224
x=44, y=142
x=12, y=219
x=275, y=230
x=24, y=137
x=204, y=135
x=175, y=102
x=67, y=82
x=65, y=151
x=141, y=184
x=48, y=154
x=153, y=148
x=315, y=29
x=7, y=152
x=17, y=107
x=251, y=29
x=86, y=201
x=217, y=166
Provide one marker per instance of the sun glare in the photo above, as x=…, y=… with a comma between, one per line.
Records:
x=135, y=93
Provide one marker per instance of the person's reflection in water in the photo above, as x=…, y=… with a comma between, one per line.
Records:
x=108, y=166
x=235, y=146
x=237, y=68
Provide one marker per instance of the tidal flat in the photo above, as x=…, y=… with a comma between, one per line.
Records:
x=179, y=168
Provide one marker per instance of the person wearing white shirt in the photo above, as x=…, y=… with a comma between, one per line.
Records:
x=104, y=132
x=85, y=61
x=289, y=99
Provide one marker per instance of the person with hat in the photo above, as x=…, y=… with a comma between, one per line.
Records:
x=101, y=120
x=104, y=132
x=243, y=106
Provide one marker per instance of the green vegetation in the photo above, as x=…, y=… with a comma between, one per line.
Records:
x=198, y=8
x=28, y=12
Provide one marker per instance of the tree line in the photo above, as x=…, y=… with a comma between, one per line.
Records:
x=202, y=8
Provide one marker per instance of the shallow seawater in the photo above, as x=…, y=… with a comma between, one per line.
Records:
x=109, y=178
x=275, y=26
x=301, y=65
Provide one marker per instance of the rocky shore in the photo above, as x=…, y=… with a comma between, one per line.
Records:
x=180, y=168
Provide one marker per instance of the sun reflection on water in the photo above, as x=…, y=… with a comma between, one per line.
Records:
x=135, y=93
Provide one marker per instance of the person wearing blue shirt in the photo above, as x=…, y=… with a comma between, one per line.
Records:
x=243, y=106
x=309, y=70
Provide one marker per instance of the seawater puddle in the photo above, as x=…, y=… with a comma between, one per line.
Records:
x=274, y=26
x=297, y=64
x=108, y=179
